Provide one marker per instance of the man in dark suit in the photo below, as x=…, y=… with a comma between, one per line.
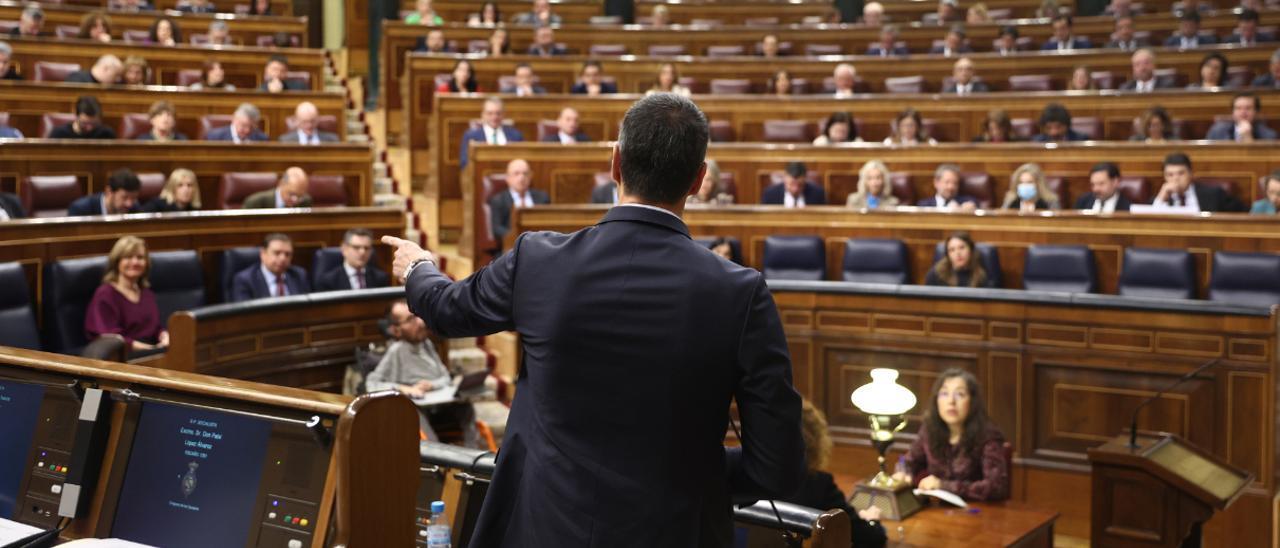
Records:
x=567, y=131
x=491, y=129
x=1063, y=39
x=524, y=85
x=10, y=207
x=88, y=122
x=120, y=196
x=1272, y=78
x=1055, y=126
x=1180, y=189
x=1123, y=37
x=433, y=42
x=1104, y=186
x=635, y=340
x=1188, y=35
x=953, y=44
x=888, y=44
x=243, y=128
x=273, y=276
x=518, y=194
x=30, y=23
x=591, y=80
x=290, y=191
x=356, y=272
x=1246, y=34
x=106, y=70
x=275, y=76
x=1143, y=79
x=946, y=188
x=307, y=131
x=605, y=194
x=1244, y=125
x=544, y=43
x=794, y=190
x=963, y=81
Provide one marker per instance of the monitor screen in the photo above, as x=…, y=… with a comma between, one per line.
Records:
x=192, y=479
x=19, y=411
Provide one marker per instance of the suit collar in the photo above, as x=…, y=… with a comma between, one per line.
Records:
x=646, y=215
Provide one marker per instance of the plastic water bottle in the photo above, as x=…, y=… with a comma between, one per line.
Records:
x=438, y=529
x=873, y=202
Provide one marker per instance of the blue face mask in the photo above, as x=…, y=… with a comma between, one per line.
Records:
x=1026, y=191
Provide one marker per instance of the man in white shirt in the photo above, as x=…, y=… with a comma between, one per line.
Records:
x=965, y=82
x=844, y=76
x=1181, y=191
x=524, y=85
x=947, y=196
x=567, y=131
x=307, y=127
x=518, y=195
x=491, y=129
x=1143, y=63
x=1104, y=195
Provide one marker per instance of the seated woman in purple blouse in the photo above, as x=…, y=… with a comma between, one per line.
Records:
x=124, y=304
x=958, y=449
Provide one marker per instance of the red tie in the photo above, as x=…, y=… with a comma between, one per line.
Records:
x=360, y=277
x=280, y=289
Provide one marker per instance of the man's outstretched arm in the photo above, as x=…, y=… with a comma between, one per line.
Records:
x=478, y=305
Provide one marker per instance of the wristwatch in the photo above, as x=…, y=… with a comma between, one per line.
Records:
x=415, y=263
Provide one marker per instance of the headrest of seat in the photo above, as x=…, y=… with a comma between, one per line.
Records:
x=794, y=258
x=1066, y=268
x=14, y=282
x=1159, y=273
x=1245, y=278
x=327, y=190
x=152, y=184
x=176, y=270
x=236, y=186
x=876, y=261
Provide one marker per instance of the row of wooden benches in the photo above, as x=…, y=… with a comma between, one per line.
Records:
x=243, y=29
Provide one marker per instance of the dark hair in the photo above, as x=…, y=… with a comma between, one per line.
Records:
x=278, y=58
x=1156, y=111
x=721, y=240
x=1190, y=15
x=497, y=12
x=1222, y=60
x=1062, y=17
x=91, y=20
x=912, y=114
x=470, y=84
x=276, y=237
x=841, y=118
x=591, y=63
x=173, y=28
x=357, y=233
x=797, y=169
x=253, y=8
x=958, y=29
x=975, y=424
x=1177, y=159
x=1009, y=30
x=123, y=179
x=946, y=271
x=282, y=40
x=661, y=147
x=204, y=73
x=1055, y=112
x=1257, y=101
x=1001, y=118
x=1247, y=15
x=1113, y=170
x=773, y=80
x=88, y=105
x=160, y=107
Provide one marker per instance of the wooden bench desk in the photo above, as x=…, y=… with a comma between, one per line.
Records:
x=982, y=524
x=243, y=29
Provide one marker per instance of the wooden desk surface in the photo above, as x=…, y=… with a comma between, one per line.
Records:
x=982, y=524
x=243, y=29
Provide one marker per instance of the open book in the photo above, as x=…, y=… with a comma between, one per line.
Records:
x=942, y=495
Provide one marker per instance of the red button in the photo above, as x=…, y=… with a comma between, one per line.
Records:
x=296, y=520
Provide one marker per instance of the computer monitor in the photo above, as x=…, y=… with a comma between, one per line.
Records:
x=20, y=409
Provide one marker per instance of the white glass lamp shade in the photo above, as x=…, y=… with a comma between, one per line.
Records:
x=883, y=395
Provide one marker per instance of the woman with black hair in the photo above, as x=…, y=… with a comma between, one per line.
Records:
x=463, y=78
x=840, y=128
x=959, y=266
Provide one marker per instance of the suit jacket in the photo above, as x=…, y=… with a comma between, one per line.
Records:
x=1086, y=202
x=555, y=138
x=249, y=284
x=90, y=205
x=1213, y=199
x=224, y=134
x=266, y=199
x=605, y=87
x=1265, y=81
x=1133, y=85
x=603, y=194
x=877, y=51
x=1226, y=131
x=553, y=51
x=11, y=205
x=932, y=201
x=1077, y=42
x=500, y=205
x=775, y=194
x=296, y=137
x=1201, y=40
x=477, y=134
x=1259, y=38
x=337, y=280
x=603, y=316
x=976, y=86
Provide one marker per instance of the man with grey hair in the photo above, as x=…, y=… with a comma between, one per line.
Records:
x=306, y=119
x=632, y=298
x=492, y=130
x=844, y=76
x=947, y=196
x=30, y=23
x=219, y=34
x=290, y=191
x=7, y=70
x=243, y=128
x=106, y=70
x=1272, y=78
x=873, y=14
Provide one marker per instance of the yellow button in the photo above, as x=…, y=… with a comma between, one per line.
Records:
x=303, y=522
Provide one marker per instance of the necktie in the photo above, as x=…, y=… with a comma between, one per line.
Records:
x=360, y=278
x=493, y=136
x=1177, y=199
x=281, y=291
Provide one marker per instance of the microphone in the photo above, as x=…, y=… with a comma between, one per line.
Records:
x=1133, y=423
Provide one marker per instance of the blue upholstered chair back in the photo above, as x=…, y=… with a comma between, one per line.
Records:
x=1062, y=268
x=794, y=258
x=178, y=282
x=17, y=318
x=1158, y=273
x=324, y=260
x=1245, y=278
x=876, y=261
x=234, y=260
x=68, y=287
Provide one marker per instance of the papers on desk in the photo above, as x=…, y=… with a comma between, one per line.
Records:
x=944, y=496
x=436, y=397
x=1148, y=209
x=12, y=531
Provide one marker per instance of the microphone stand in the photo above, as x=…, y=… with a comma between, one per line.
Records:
x=1133, y=424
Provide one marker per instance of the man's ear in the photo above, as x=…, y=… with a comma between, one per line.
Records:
x=697, y=181
x=615, y=166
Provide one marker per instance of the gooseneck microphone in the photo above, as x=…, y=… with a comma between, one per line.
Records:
x=1133, y=424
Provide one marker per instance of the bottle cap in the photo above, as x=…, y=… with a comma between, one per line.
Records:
x=437, y=507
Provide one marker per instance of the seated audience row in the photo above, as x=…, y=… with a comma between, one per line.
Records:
x=164, y=31
x=134, y=71
x=162, y=119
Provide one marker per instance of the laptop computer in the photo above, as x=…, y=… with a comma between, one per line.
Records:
x=469, y=385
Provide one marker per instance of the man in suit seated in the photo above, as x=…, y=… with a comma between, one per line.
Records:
x=120, y=196
x=873, y=14
x=1272, y=78
x=946, y=188
x=290, y=191
x=491, y=129
x=794, y=190
x=1143, y=79
x=844, y=76
x=567, y=131
x=273, y=276
x=769, y=47
x=1055, y=126
x=1268, y=204
x=544, y=43
x=954, y=43
x=88, y=122
x=8, y=70
x=307, y=132
x=1180, y=189
x=524, y=85
x=888, y=44
x=106, y=70
x=10, y=207
x=243, y=128
x=1244, y=125
x=1188, y=35
x=964, y=82
x=1104, y=195
x=540, y=16
x=518, y=194
x=433, y=42
x=274, y=76
x=1063, y=38
x=1123, y=37
x=1007, y=43
x=591, y=80
x=30, y=23
x=1246, y=33
x=355, y=272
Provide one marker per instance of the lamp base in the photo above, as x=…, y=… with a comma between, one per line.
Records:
x=895, y=502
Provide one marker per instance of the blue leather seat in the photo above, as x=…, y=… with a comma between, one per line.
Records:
x=876, y=261
x=1062, y=268
x=17, y=319
x=324, y=260
x=68, y=288
x=1245, y=278
x=735, y=247
x=1158, y=273
x=177, y=279
x=234, y=260
x=794, y=258
x=988, y=255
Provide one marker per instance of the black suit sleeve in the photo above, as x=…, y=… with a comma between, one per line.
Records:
x=477, y=305
x=500, y=216
x=770, y=462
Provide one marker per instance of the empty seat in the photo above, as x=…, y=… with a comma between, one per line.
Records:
x=268, y=40
x=735, y=246
x=1103, y=79
x=66, y=31
x=760, y=21
x=1245, y=278
x=68, y=287
x=988, y=255
x=324, y=260
x=1089, y=126
x=49, y=195
x=1158, y=273
x=788, y=131
x=136, y=36
x=133, y=125
x=236, y=186
x=904, y=84
x=794, y=258
x=1135, y=189
x=666, y=49
x=48, y=71
x=1058, y=185
x=1168, y=78
x=51, y=120
x=233, y=261
x=17, y=319
x=1063, y=268
x=327, y=191
x=725, y=51
x=876, y=261
x=1023, y=128
x=729, y=86
x=1238, y=77
x=902, y=188
x=980, y=186
x=177, y=278
x=300, y=76
x=607, y=50
x=1030, y=82
x=721, y=131
x=187, y=77
x=605, y=20
x=152, y=184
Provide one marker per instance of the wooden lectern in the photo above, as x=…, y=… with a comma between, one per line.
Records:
x=1158, y=493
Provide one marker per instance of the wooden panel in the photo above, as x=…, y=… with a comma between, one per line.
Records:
x=243, y=29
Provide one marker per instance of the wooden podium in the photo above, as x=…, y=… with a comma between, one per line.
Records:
x=1159, y=493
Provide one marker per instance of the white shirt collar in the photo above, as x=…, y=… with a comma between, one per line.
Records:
x=942, y=203
x=792, y=201
x=1108, y=205
x=566, y=139
x=494, y=135
x=521, y=201
x=655, y=208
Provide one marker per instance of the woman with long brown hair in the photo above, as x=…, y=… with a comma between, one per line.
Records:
x=959, y=266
